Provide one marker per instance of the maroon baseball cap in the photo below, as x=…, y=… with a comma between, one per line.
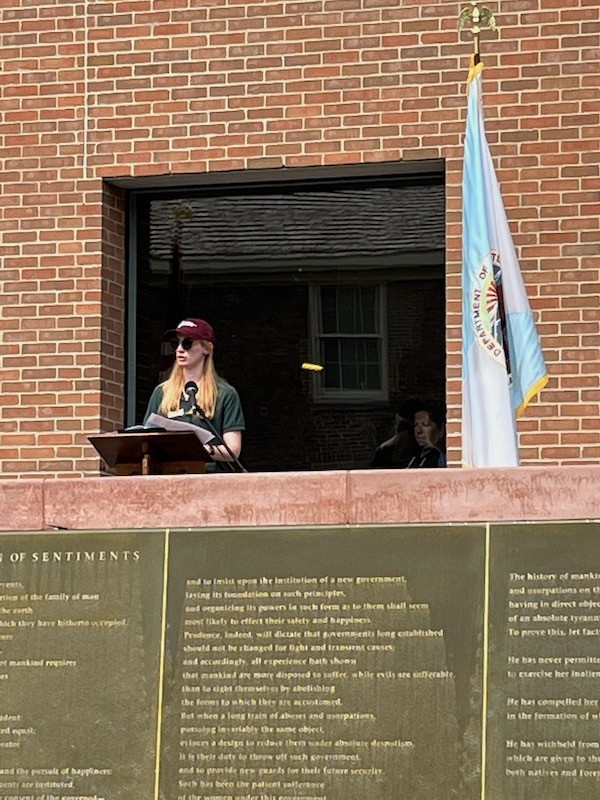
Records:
x=193, y=328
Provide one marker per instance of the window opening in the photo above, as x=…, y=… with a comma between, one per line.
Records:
x=348, y=274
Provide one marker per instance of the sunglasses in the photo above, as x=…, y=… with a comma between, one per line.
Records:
x=185, y=343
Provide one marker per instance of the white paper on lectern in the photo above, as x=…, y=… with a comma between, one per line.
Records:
x=175, y=425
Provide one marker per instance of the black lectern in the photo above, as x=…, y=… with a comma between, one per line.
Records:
x=151, y=452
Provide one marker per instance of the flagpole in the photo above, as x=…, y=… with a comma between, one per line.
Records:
x=503, y=366
x=477, y=18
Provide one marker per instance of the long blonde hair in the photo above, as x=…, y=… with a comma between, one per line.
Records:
x=172, y=388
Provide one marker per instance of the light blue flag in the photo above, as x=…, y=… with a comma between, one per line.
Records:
x=503, y=364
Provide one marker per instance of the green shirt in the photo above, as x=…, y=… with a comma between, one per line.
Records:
x=228, y=415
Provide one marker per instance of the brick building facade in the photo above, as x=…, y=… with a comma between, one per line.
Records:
x=97, y=96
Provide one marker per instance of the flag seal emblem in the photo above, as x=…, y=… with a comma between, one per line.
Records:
x=485, y=308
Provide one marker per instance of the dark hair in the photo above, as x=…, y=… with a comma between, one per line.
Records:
x=436, y=411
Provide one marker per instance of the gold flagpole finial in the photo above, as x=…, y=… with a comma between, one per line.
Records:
x=477, y=18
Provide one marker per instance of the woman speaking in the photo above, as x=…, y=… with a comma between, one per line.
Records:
x=193, y=343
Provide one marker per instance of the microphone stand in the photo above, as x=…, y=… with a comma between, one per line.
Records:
x=221, y=441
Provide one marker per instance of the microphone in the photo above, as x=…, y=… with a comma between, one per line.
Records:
x=191, y=389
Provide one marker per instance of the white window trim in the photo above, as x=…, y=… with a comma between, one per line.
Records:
x=340, y=396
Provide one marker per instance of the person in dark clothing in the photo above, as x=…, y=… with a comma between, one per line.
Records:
x=416, y=441
x=397, y=451
x=193, y=344
x=429, y=427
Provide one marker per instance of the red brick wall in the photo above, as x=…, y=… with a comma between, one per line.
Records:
x=149, y=87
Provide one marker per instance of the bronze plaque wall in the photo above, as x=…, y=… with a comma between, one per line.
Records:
x=80, y=630
x=301, y=664
x=544, y=703
x=336, y=664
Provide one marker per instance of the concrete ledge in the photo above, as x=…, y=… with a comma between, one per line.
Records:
x=22, y=505
x=197, y=501
x=482, y=495
x=302, y=498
